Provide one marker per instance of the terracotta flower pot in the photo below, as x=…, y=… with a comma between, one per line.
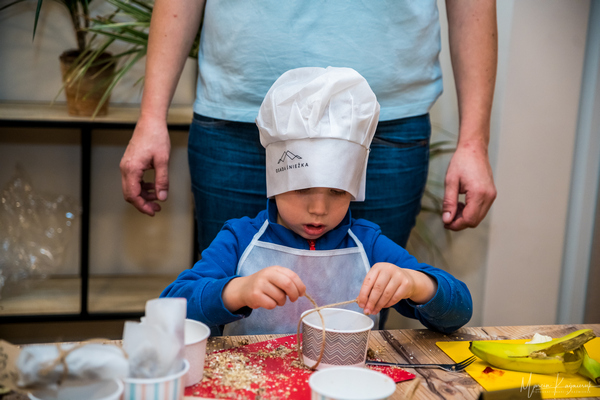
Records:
x=83, y=95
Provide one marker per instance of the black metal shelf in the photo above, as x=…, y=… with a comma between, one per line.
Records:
x=41, y=115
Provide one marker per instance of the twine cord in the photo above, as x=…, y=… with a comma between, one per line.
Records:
x=317, y=309
x=410, y=392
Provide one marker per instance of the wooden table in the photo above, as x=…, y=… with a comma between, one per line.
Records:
x=418, y=346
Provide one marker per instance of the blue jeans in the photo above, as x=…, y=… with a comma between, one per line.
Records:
x=227, y=166
x=396, y=176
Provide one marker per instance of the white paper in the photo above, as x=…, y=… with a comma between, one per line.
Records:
x=156, y=345
x=40, y=365
x=539, y=338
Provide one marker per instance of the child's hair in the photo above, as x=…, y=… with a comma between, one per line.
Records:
x=316, y=125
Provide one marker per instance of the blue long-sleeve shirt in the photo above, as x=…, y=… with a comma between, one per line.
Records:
x=449, y=309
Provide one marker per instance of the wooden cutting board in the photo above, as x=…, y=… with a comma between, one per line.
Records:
x=551, y=386
x=265, y=368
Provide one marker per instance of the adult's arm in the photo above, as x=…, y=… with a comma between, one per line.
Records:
x=473, y=39
x=173, y=28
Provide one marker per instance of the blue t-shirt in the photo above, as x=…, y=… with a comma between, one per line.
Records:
x=247, y=44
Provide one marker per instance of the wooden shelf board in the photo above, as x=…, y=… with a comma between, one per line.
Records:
x=57, y=112
x=61, y=295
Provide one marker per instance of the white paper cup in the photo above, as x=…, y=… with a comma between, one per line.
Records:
x=346, y=340
x=166, y=388
x=350, y=383
x=196, y=336
x=77, y=390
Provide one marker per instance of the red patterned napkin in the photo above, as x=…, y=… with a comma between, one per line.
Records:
x=269, y=369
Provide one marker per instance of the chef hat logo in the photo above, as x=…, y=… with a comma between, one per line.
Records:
x=316, y=125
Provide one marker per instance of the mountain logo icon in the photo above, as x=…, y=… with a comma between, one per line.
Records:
x=289, y=155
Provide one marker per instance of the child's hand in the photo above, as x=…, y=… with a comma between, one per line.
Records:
x=386, y=284
x=267, y=288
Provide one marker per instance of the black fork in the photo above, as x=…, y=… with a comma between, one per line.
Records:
x=459, y=366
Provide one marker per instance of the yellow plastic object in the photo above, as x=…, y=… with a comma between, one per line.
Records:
x=553, y=386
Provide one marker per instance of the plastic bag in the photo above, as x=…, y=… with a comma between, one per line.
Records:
x=35, y=230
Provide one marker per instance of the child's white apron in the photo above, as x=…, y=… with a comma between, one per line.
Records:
x=330, y=276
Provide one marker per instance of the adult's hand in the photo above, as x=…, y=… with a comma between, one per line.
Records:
x=149, y=148
x=469, y=173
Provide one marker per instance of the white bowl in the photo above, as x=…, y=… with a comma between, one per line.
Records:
x=196, y=335
x=78, y=390
x=350, y=383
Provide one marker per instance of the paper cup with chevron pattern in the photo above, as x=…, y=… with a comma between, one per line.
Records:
x=166, y=388
x=350, y=383
x=346, y=338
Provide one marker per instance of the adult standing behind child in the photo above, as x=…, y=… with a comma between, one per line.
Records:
x=247, y=45
x=316, y=125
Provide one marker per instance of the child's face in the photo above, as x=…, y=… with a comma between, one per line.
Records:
x=313, y=212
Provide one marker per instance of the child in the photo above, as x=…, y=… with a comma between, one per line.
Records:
x=316, y=125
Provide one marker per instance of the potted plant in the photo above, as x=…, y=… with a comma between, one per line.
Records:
x=127, y=24
x=86, y=70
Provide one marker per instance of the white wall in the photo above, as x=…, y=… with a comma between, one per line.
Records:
x=583, y=202
x=536, y=137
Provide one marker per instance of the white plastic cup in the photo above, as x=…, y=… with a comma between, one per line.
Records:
x=77, y=390
x=350, y=383
x=346, y=338
x=169, y=387
x=196, y=336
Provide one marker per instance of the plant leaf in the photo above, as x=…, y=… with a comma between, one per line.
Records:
x=11, y=4
x=37, y=17
x=116, y=79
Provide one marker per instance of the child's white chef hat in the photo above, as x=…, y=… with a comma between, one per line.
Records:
x=316, y=125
